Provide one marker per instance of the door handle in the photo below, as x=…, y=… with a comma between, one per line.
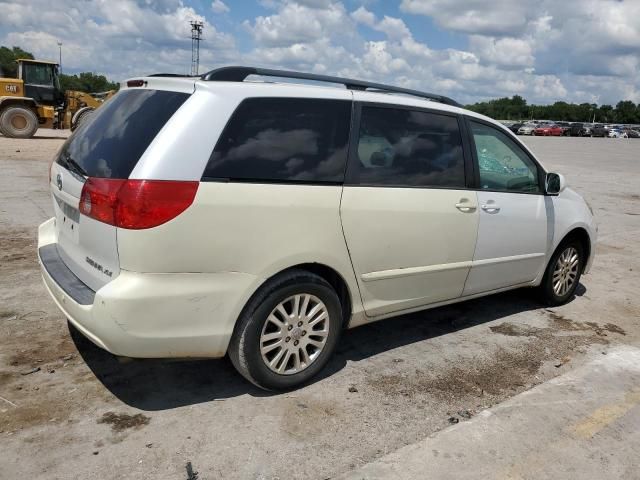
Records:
x=490, y=208
x=465, y=207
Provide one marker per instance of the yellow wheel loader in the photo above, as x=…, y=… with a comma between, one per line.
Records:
x=35, y=100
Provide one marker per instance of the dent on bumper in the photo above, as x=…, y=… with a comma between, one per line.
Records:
x=148, y=315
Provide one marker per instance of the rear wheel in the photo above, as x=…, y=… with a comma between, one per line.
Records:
x=18, y=122
x=563, y=273
x=287, y=332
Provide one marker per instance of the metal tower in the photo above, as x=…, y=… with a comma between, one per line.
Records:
x=196, y=36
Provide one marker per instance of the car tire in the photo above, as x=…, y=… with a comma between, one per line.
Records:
x=563, y=273
x=18, y=122
x=81, y=116
x=271, y=344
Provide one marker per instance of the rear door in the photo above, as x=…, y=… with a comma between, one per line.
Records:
x=107, y=146
x=512, y=235
x=408, y=219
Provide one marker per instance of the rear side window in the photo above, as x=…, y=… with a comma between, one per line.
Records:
x=283, y=139
x=110, y=144
x=400, y=147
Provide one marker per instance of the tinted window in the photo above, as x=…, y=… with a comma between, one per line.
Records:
x=408, y=148
x=502, y=163
x=284, y=139
x=115, y=137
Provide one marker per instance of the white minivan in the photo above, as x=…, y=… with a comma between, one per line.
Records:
x=205, y=216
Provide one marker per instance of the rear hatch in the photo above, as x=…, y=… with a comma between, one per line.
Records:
x=103, y=152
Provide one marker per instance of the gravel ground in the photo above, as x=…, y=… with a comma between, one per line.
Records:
x=84, y=413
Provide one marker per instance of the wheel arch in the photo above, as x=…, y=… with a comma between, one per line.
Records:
x=338, y=283
x=580, y=234
x=326, y=272
x=18, y=101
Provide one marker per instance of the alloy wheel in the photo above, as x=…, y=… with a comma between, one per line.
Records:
x=565, y=271
x=294, y=334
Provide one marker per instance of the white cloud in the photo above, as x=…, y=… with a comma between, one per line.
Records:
x=547, y=50
x=218, y=6
x=507, y=51
x=392, y=27
x=118, y=38
x=296, y=23
x=474, y=16
x=364, y=16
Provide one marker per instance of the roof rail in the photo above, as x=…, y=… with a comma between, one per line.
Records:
x=239, y=74
x=177, y=75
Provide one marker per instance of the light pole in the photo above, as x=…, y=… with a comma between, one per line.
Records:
x=60, y=60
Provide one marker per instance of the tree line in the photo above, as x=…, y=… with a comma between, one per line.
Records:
x=85, y=81
x=516, y=108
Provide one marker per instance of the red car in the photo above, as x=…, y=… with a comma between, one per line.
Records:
x=546, y=130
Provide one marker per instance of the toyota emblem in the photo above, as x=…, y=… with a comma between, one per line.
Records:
x=59, y=181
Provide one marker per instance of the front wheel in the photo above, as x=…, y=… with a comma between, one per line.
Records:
x=80, y=116
x=287, y=332
x=563, y=273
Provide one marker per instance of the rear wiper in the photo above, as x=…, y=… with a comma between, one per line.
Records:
x=75, y=166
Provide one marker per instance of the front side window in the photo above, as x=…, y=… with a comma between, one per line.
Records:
x=284, y=139
x=503, y=165
x=400, y=147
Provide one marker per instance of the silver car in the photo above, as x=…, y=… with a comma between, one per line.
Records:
x=527, y=129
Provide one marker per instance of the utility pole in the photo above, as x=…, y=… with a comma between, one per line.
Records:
x=60, y=60
x=196, y=36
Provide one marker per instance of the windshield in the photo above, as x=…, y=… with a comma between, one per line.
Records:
x=110, y=143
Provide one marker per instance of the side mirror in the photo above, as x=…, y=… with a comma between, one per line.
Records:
x=554, y=184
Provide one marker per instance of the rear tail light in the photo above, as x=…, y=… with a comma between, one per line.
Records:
x=135, y=204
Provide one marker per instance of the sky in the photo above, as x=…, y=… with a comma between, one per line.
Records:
x=471, y=50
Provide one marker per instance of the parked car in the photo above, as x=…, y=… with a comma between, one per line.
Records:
x=631, y=133
x=294, y=212
x=617, y=133
x=576, y=130
x=527, y=129
x=566, y=128
x=514, y=127
x=599, y=131
x=549, y=130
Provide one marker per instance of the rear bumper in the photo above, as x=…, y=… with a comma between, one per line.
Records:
x=148, y=315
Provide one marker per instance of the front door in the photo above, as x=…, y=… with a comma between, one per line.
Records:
x=512, y=235
x=409, y=222
x=39, y=82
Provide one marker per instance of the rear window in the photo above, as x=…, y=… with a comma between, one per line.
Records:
x=283, y=140
x=114, y=138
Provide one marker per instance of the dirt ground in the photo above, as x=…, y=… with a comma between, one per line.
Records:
x=69, y=410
